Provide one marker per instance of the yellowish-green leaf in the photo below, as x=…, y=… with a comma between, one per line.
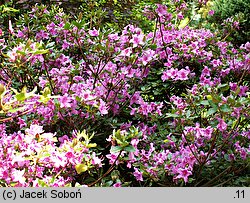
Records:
x=80, y=168
x=183, y=23
x=209, y=97
x=91, y=145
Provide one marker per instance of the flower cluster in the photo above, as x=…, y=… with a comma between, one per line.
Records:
x=176, y=99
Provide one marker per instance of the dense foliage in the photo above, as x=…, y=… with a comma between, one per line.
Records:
x=100, y=103
x=227, y=10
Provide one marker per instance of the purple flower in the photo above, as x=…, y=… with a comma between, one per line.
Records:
x=138, y=175
x=94, y=33
x=211, y=12
x=21, y=122
x=182, y=74
x=117, y=184
x=222, y=126
x=180, y=16
x=103, y=107
x=65, y=101
x=243, y=90
x=183, y=173
x=137, y=40
x=161, y=10
x=34, y=130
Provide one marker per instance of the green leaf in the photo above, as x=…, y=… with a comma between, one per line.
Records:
x=50, y=45
x=172, y=115
x=129, y=149
x=42, y=51
x=115, y=149
x=80, y=168
x=225, y=108
x=21, y=52
x=223, y=87
x=153, y=46
x=78, y=25
x=211, y=111
x=204, y=102
x=20, y=96
x=9, y=9
x=67, y=26
x=41, y=183
x=16, y=109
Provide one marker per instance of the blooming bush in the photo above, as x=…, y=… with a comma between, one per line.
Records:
x=102, y=107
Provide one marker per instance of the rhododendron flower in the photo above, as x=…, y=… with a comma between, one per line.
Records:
x=243, y=90
x=211, y=12
x=18, y=176
x=20, y=34
x=21, y=122
x=184, y=173
x=112, y=158
x=236, y=25
x=34, y=130
x=103, y=107
x=171, y=73
x=117, y=184
x=180, y=16
x=138, y=175
x=65, y=101
x=137, y=40
x=42, y=35
x=222, y=126
x=182, y=74
x=216, y=62
x=161, y=9
x=126, y=52
x=93, y=33
x=95, y=160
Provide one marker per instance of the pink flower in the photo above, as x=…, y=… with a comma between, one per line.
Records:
x=65, y=45
x=137, y=40
x=236, y=25
x=18, y=176
x=34, y=130
x=112, y=158
x=243, y=90
x=96, y=160
x=135, y=98
x=184, y=173
x=180, y=16
x=138, y=175
x=161, y=10
x=182, y=74
x=211, y=12
x=222, y=126
x=21, y=122
x=171, y=73
x=102, y=107
x=20, y=34
x=117, y=184
x=126, y=52
x=216, y=62
x=65, y=101
x=94, y=33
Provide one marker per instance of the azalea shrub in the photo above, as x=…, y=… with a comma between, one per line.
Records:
x=92, y=106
